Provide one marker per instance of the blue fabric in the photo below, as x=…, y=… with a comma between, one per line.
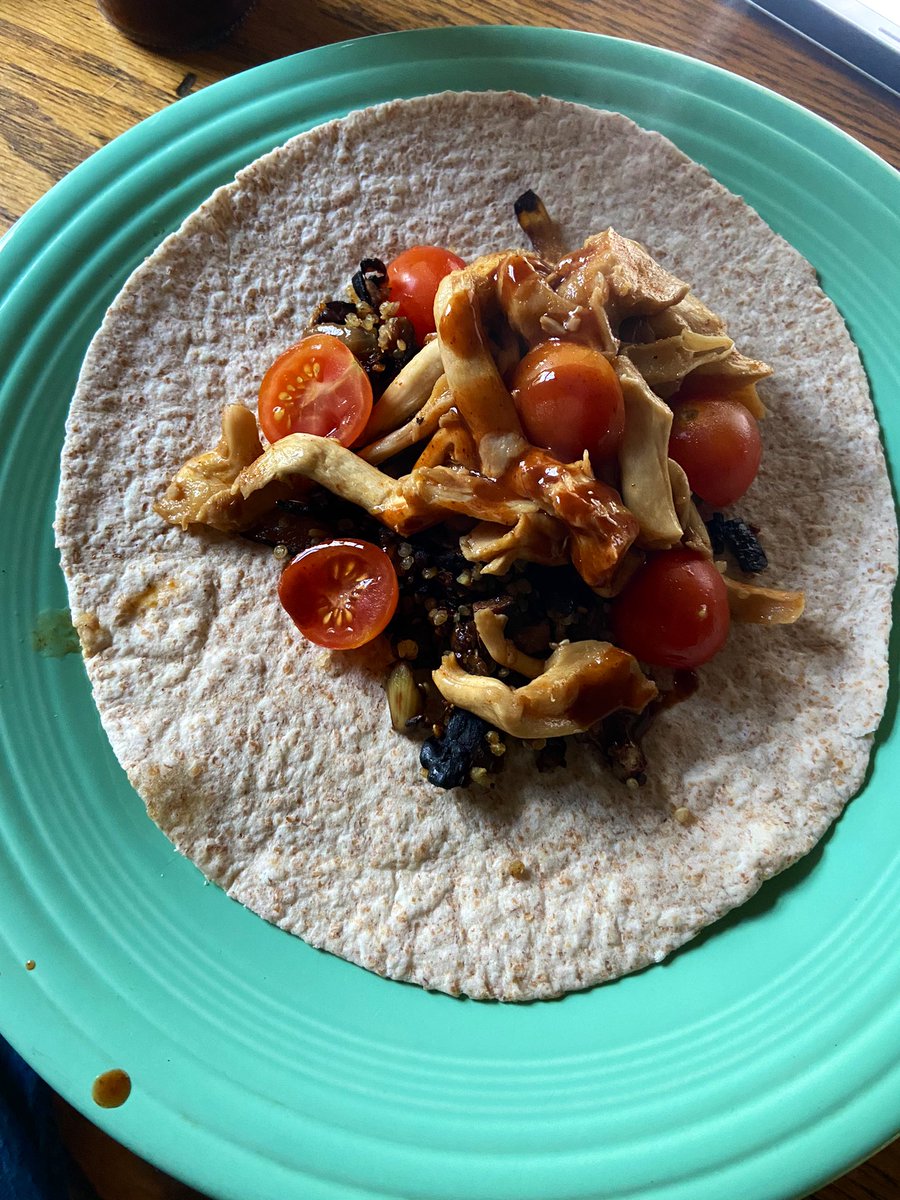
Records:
x=34, y=1164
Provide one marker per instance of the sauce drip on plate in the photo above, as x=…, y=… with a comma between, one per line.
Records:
x=112, y=1088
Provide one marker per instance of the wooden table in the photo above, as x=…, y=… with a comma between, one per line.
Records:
x=70, y=83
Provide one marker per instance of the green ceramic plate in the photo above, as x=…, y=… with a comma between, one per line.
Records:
x=760, y=1060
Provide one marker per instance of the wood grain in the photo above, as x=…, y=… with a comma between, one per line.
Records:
x=69, y=83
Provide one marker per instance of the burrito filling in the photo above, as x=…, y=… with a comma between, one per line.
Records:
x=513, y=471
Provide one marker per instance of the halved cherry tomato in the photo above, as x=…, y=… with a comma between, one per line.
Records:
x=316, y=386
x=673, y=612
x=340, y=594
x=569, y=400
x=414, y=277
x=717, y=444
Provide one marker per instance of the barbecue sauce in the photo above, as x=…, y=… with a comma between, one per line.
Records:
x=112, y=1088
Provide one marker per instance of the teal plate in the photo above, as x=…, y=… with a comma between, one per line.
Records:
x=759, y=1061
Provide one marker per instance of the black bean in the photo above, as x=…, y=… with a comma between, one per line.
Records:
x=716, y=528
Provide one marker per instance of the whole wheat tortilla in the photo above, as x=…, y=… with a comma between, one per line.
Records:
x=272, y=763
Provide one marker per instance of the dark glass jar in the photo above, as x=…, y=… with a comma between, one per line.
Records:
x=174, y=24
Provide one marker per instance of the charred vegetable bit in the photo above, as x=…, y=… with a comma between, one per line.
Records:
x=736, y=536
x=370, y=282
x=463, y=745
x=368, y=323
x=539, y=227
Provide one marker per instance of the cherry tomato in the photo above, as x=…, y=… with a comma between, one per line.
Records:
x=316, y=386
x=673, y=612
x=717, y=444
x=569, y=400
x=340, y=594
x=414, y=276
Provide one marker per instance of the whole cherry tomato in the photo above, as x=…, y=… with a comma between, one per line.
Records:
x=414, y=277
x=673, y=612
x=569, y=400
x=717, y=444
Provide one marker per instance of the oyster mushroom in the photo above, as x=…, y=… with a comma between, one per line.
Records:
x=195, y=495
x=581, y=683
x=491, y=628
x=643, y=460
x=763, y=606
x=407, y=394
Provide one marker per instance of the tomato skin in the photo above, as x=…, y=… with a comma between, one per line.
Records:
x=569, y=400
x=673, y=612
x=315, y=386
x=340, y=594
x=717, y=443
x=414, y=277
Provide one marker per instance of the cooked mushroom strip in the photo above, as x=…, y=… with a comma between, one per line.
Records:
x=670, y=359
x=230, y=487
x=195, y=494
x=420, y=426
x=533, y=309
x=451, y=445
x=582, y=682
x=321, y=459
x=491, y=628
x=478, y=389
x=535, y=537
x=406, y=395
x=729, y=374
x=696, y=535
x=689, y=313
x=444, y=490
x=643, y=460
x=601, y=528
x=537, y=224
x=406, y=505
x=736, y=369
x=763, y=606
x=607, y=342
x=635, y=283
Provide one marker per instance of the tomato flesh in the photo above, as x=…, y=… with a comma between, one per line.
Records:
x=673, y=612
x=569, y=400
x=340, y=594
x=317, y=386
x=414, y=277
x=717, y=444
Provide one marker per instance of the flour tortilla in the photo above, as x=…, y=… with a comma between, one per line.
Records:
x=272, y=764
